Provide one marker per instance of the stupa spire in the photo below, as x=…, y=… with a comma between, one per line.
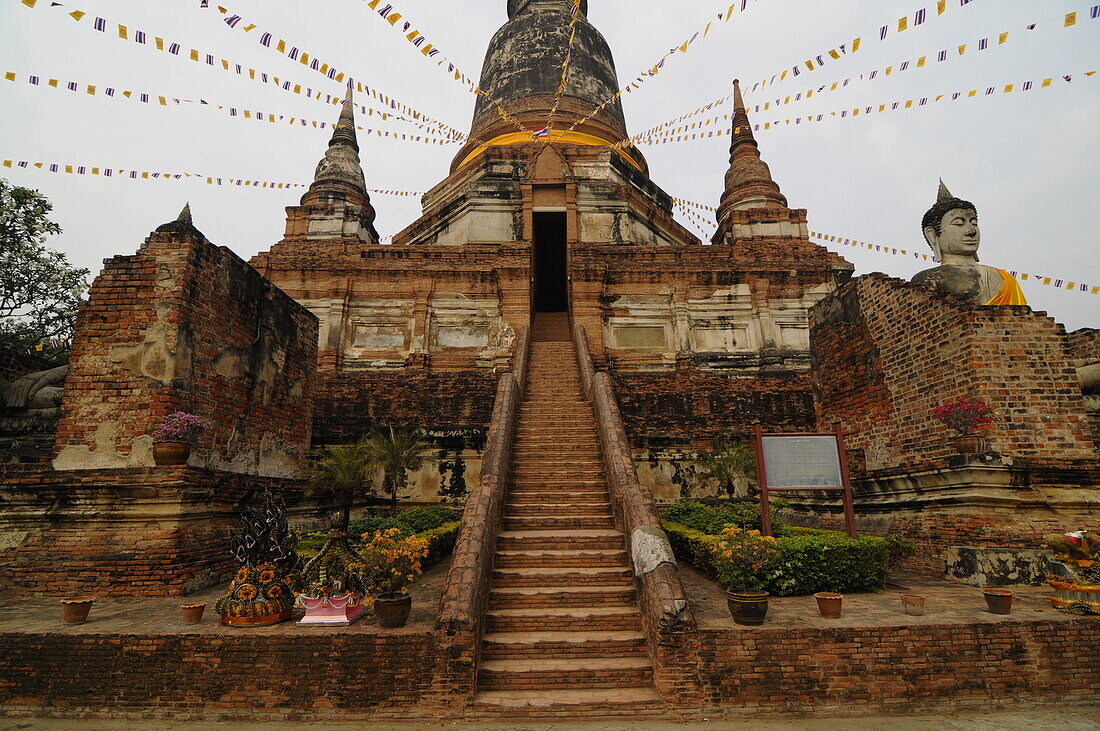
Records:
x=749, y=182
x=340, y=170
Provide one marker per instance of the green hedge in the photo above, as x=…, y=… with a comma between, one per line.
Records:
x=810, y=560
x=712, y=520
x=414, y=520
x=441, y=543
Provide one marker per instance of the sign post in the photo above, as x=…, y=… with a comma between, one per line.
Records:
x=803, y=462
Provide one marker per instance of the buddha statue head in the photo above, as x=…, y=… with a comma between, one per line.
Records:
x=951, y=228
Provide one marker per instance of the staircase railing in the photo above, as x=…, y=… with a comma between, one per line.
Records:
x=669, y=621
x=459, y=624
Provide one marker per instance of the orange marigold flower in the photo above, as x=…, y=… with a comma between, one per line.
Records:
x=247, y=593
x=242, y=574
x=267, y=576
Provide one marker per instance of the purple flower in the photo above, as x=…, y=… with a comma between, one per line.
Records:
x=181, y=427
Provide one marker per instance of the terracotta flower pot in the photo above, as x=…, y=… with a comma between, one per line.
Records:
x=999, y=601
x=913, y=603
x=75, y=610
x=192, y=613
x=393, y=610
x=970, y=444
x=829, y=604
x=747, y=607
x=171, y=454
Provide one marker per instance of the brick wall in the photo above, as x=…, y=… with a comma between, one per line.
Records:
x=13, y=365
x=887, y=352
x=245, y=675
x=900, y=668
x=272, y=676
x=127, y=532
x=692, y=405
x=1084, y=348
x=350, y=404
x=185, y=325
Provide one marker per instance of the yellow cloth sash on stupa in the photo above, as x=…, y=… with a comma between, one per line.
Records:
x=564, y=137
x=1010, y=294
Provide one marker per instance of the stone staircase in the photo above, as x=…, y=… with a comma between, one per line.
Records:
x=563, y=628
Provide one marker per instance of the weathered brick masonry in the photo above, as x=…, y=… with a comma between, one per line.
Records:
x=1084, y=348
x=887, y=352
x=185, y=325
x=13, y=364
x=793, y=670
x=127, y=532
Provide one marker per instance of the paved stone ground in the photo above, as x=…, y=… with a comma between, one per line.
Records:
x=161, y=615
x=1052, y=718
x=946, y=602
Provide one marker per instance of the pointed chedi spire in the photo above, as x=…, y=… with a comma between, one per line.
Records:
x=749, y=181
x=340, y=170
x=339, y=178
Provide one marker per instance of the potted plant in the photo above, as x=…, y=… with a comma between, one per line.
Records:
x=262, y=591
x=744, y=556
x=391, y=561
x=343, y=470
x=172, y=440
x=333, y=592
x=1073, y=572
x=730, y=462
x=397, y=452
x=964, y=416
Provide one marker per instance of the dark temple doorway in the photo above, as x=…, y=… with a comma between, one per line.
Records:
x=551, y=286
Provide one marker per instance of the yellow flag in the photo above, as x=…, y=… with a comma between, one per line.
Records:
x=7, y=163
x=163, y=101
x=393, y=18
x=9, y=76
x=1008, y=88
x=962, y=49
x=281, y=46
x=95, y=171
x=1047, y=82
x=1071, y=19
x=972, y=92
x=909, y=104
x=834, y=54
x=122, y=32
x=68, y=168
x=1003, y=39
x=52, y=82
x=77, y=15
x=194, y=55
x=29, y=3
x=903, y=24
x=855, y=45
x=159, y=43
x=91, y=90
x=304, y=59
x=941, y=6
x=921, y=61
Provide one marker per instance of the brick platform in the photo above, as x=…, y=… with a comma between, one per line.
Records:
x=135, y=656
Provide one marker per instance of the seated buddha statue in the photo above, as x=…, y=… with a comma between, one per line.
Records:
x=951, y=229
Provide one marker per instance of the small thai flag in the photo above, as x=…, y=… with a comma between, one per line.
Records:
x=265, y=39
x=34, y=80
x=53, y=168
x=139, y=36
x=293, y=55
x=72, y=86
x=1095, y=12
x=100, y=24
x=904, y=66
x=81, y=170
x=145, y=98
x=983, y=44
x=920, y=17
x=873, y=75
x=174, y=49
x=1027, y=85
x=538, y=134
x=315, y=64
x=209, y=59
x=883, y=32
x=233, y=20
x=942, y=56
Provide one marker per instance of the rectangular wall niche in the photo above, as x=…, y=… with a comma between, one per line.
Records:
x=639, y=337
x=458, y=322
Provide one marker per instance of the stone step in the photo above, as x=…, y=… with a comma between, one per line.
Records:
x=565, y=673
x=562, y=559
x=563, y=644
x=580, y=702
x=535, y=540
x=514, y=509
x=594, y=491
x=525, y=452
x=546, y=470
x=562, y=576
x=564, y=619
x=556, y=522
x=518, y=597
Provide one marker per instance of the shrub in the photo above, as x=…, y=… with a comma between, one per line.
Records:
x=441, y=543
x=809, y=561
x=410, y=522
x=418, y=520
x=712, y=520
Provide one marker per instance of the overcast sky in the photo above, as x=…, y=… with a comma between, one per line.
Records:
x=1029, y=160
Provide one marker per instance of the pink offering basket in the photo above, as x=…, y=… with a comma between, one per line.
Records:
x=332, y=610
